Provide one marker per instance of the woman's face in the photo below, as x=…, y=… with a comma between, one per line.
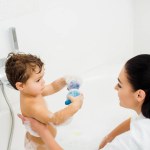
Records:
x=126, y=94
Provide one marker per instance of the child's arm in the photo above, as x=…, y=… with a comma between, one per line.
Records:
x=64, y=114
x=46, y=117
x=54, y=87
x=121, y=128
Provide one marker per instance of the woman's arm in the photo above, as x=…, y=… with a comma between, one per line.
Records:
x=43, y=132
x=121, y=128
x=46, y=136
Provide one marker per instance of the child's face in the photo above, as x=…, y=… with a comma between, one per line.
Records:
x=35, y=83
x=126, y=94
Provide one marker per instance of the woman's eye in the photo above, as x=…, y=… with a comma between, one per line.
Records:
x=119, y=85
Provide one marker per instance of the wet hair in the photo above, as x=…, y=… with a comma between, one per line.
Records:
x=20, y=66
x=138, y=74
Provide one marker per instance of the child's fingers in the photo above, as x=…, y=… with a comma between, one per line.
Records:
x=81, y=97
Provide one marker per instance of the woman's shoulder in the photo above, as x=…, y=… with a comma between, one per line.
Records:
x=140, y=123
x=140, y=131
x=140, y=120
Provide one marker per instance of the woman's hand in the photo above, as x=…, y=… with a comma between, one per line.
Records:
x=103, y=143
x=35, y=125
x=105, y=140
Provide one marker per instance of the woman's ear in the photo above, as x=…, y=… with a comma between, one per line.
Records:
x=140, y=95
x=19, y=86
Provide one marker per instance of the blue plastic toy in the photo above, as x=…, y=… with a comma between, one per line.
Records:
x=73, y=88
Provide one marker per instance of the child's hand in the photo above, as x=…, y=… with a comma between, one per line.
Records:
x=78, y=100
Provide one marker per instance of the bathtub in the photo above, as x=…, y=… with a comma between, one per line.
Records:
x=99, y=114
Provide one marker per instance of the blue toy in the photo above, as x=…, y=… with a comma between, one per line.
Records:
x=73, y=88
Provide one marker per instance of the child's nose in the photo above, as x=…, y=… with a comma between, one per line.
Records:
x=43, y=82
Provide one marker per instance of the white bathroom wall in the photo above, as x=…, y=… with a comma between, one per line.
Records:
x=141, y=26
x=91, y=32
x=64, y=33
x=71, y=37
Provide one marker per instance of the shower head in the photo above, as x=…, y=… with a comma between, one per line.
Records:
x=14, y=39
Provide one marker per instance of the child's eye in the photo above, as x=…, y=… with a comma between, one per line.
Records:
x=119, y=85
x=38, y=80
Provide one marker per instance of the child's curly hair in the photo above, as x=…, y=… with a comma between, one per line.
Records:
x=19, y=67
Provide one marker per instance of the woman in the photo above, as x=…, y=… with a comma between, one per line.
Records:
x=134, y=93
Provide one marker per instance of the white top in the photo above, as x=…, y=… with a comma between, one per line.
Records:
x=137, y=138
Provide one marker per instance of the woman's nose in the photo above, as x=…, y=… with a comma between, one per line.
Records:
x=116, y=87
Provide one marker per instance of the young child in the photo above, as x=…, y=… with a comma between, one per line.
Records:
x=25, y=73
